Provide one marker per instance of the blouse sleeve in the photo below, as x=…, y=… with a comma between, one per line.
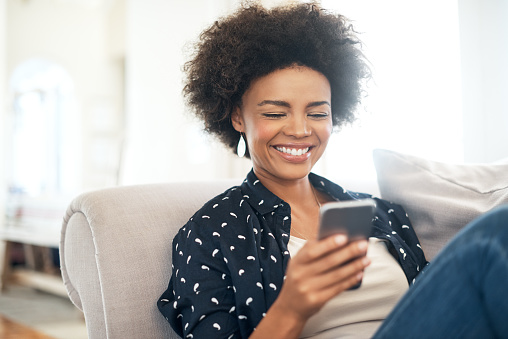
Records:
x=200, y=300
x=403, y=237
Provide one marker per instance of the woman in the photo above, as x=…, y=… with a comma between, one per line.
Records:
x=248, y=263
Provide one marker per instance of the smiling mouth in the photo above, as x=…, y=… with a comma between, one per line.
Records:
x=293, y=151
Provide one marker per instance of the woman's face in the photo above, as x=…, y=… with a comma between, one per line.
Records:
x=287, y=120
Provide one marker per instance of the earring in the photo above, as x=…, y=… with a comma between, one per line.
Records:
x=242, y=147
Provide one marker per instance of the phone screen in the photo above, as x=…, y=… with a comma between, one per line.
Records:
x=353, y=218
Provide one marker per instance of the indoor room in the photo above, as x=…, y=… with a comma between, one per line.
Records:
x=91, y=100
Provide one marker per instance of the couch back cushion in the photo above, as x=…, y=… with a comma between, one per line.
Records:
x=440, y=198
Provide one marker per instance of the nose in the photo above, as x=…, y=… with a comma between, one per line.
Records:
x=298, y=127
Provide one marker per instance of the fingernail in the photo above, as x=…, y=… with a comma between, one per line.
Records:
x=362, y=245
x=340, y=239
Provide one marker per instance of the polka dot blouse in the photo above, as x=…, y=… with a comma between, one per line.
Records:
x=229, y=260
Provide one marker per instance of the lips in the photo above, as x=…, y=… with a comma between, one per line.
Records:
x=292, y=151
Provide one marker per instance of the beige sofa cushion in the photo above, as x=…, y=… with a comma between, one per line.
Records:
x=440, y=198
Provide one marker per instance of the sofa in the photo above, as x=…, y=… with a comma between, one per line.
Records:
x=115, y=248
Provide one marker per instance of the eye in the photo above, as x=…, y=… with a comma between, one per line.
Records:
x=274, y=115
x=318, y=115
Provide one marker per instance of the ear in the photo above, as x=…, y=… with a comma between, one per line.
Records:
x=237, y=120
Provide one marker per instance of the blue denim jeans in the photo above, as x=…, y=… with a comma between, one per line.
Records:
x=463, y=293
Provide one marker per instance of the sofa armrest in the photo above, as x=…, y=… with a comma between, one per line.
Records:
x=115, y=253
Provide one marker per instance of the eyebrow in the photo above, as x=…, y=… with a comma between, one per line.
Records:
x=275, y=103
x=286, y=104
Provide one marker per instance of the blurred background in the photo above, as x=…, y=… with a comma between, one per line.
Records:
x=91, y=90
x=90, y=97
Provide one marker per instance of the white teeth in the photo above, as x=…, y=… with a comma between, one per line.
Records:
x=293, y=151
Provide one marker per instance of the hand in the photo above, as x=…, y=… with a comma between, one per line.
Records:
x=321, y=270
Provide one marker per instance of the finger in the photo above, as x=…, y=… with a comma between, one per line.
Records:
x=315, y=249
x=342, y=277
x=316, y=291
x=351, y=272
x=335, y=289
x=340, y=256
x=339, y=277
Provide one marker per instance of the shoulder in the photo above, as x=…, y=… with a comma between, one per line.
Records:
x=218, y=211
x=228, y=201
x=391, y=210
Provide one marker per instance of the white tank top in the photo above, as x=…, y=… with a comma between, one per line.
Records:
x=358, y=313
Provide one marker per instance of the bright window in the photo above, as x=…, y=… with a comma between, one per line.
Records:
x=43, y=116
x=414, y=101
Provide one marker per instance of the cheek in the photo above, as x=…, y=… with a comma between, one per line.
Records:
x=324, y=132
x=261, y=133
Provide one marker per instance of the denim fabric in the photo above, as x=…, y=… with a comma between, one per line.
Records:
x=463, y=293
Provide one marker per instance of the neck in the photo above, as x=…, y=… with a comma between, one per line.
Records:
x=295, y=192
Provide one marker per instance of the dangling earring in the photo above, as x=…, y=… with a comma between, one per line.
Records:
x=242, y=147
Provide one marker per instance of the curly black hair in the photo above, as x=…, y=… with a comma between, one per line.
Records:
x=254, y=42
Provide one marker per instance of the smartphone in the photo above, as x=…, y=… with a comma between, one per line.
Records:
x=352, y=218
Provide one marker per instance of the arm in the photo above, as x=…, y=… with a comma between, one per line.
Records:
x=199, y=299
x=314, y=276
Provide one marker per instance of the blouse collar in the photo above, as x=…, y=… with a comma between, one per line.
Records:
x=264, y=201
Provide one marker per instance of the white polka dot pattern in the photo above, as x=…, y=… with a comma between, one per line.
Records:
x=229, y=260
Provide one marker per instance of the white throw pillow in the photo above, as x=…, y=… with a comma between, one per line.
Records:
x=440, y=198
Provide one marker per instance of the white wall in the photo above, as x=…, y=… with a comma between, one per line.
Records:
x=422, y=99
x=3, y=79
x=82, y=39
x=413, y=102
x=163, y=142
x=484, y=52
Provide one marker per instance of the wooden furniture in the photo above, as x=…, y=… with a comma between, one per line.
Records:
x=13, y=330
x=36, y=224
